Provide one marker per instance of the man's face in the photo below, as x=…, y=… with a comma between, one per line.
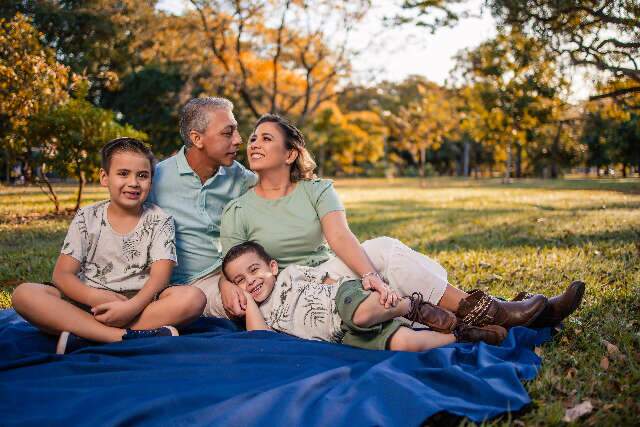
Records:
x=253, y=275
x=220, y=141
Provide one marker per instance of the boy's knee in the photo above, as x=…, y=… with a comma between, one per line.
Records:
x=24, y=293
x=362, y=317
x=192, y=300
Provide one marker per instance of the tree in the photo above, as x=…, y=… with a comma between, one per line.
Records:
x=31, y=82
x=72, y=135
x=147, y=100
x=94, y=38
x=604, y=34
x=285, y=65
x=344, y=142
x=427, y=123
x=514, y=88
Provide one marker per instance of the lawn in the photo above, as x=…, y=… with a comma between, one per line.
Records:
x=530, y=235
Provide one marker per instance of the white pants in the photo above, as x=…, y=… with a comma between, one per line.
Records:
x=209, y=285
x=406, y=271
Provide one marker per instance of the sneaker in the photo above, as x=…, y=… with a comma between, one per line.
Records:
x=165, y=331
x=69, y=342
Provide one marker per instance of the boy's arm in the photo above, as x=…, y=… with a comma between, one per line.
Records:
x=254, y=319
x=65, y=277
x=121, y=313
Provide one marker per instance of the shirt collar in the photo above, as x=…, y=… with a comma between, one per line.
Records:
x=183, y=165
x=184, y=168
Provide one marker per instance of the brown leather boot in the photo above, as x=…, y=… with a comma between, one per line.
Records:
x=436, y=318
x=491, y=334
x=480, y=309
x=558, y=307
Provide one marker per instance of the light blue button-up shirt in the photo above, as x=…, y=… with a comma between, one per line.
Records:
x=196, y=209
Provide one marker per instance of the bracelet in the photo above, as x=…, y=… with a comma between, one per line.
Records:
x=371, y=273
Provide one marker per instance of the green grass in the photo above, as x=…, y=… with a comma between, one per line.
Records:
x=531, y=235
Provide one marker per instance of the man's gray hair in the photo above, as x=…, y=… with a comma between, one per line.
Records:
x=193, y=115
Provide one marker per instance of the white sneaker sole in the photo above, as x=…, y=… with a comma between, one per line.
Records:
x=62, y=342
x=174, y=331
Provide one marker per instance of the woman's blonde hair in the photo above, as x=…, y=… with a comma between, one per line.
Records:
x=303, y=167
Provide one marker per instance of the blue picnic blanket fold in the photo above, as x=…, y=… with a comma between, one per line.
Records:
x=217, y=374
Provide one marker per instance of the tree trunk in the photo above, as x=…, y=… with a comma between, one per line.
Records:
x=50, y=192
x=555, y=153
x=624, y=170
x=7, y=161
x=423, y=154
x=80, y=188
x=322, y=157
x=507, y=172
x=518, y=161
x=466, y=158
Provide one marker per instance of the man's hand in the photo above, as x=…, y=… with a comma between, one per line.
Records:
x=101, y=296
x=233, y=299
x=388, y=297
x=116, y=313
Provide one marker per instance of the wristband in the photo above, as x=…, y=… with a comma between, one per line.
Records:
x=371, y=273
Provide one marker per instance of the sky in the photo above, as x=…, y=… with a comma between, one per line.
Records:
x=395, y=53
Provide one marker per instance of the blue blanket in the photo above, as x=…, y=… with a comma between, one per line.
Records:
x=217, y=374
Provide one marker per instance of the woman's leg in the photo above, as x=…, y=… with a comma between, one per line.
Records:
x=44, y=307
x=408, y=271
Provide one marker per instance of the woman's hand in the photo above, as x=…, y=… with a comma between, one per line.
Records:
x=388, y=297
x=233, y=299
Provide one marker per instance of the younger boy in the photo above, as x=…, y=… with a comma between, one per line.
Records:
x=304, y=302
x=110, y=278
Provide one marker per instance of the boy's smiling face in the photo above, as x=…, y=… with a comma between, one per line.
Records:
x=253, y=275
x=128, y=179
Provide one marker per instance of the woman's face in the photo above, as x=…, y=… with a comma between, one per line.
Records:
x=267, y=150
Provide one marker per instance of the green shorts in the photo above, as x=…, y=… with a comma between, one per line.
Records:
x=350, y=295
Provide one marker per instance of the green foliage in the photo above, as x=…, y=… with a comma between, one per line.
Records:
x=610, y=138
x=344, y=142
x=31, y=81
x=73, y=134
x=95, y=38
x=147, y=100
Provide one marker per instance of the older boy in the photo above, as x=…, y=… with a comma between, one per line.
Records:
x=304, y=302
x=110, y=278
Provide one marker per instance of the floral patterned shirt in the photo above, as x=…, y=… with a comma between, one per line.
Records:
x=113, y=261
x=301, y=305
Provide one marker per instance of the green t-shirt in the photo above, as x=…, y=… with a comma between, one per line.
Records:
x=289, y=228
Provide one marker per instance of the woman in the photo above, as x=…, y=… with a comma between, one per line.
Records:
x=291, y=213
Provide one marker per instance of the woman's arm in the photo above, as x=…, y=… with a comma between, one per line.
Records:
x=347, y=247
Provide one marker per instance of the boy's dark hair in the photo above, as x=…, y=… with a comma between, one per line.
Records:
x=125, y=144
x=245, y=248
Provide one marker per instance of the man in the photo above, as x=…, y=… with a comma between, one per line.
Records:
x=194, y=186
